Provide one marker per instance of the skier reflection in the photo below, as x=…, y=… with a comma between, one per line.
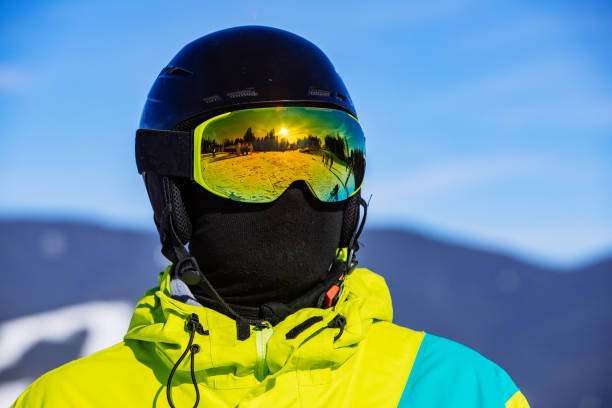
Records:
x=334, y=193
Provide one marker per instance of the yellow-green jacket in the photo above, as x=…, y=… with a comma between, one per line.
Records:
x=304, y=361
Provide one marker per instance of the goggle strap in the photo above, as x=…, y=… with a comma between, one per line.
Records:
x=165, y=152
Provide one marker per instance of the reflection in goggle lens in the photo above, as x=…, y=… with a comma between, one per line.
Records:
x=253, y=155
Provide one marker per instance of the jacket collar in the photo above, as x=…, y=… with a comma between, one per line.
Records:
x=161, y=321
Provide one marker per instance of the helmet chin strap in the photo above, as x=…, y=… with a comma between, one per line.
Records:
x=187, y=269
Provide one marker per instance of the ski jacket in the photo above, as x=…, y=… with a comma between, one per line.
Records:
x=349, y=355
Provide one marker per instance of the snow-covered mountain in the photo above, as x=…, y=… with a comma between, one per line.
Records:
x=32, y=344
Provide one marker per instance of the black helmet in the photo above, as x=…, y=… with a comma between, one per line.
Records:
x=236, y=68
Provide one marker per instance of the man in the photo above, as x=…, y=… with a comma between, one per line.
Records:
x=267, y=307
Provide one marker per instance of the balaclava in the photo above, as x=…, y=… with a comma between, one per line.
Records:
x=259, y=253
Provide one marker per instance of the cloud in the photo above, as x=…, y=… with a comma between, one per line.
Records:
x=550, y=90
x=524, y=28
x=13, y=79
x=364, y=15
x=587, y=113
x=562, y=242
x=470, y=200
x=448, y=177
x=369, y=17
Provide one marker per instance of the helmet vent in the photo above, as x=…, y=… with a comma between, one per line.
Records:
x=242, y=93
x=176, y=71
x=318, y=92
x=341, y=97
x=211, y=99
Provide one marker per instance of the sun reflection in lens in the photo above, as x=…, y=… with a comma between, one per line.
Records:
x=283, y=131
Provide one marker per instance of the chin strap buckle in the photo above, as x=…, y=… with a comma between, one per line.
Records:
x=333, y=293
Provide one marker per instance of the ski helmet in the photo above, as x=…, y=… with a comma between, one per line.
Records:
x=228, y=70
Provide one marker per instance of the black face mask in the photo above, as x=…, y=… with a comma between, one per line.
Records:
x=258, y=253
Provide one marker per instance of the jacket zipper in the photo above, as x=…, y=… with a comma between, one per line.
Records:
x=262, y=336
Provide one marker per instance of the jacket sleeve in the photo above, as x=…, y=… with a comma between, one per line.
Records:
x=446, y=373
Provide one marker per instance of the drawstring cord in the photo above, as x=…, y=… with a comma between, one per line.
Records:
x=193, y=325
x=338, y=322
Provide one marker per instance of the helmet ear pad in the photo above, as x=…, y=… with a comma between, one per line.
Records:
x=167, y=201
x=351, y=220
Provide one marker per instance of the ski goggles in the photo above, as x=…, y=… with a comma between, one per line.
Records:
x=254, y=155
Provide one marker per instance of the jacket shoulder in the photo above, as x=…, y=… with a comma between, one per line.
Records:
x=446, y=373
x=385, y=358
x=81, y=381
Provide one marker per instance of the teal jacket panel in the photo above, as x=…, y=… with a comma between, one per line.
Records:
x=448, y=374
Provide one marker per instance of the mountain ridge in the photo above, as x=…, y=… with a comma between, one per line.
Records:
x=539, y=323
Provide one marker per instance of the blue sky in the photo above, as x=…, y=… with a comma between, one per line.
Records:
x=486, y=122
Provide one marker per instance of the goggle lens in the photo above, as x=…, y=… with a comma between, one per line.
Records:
x=253, y=155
